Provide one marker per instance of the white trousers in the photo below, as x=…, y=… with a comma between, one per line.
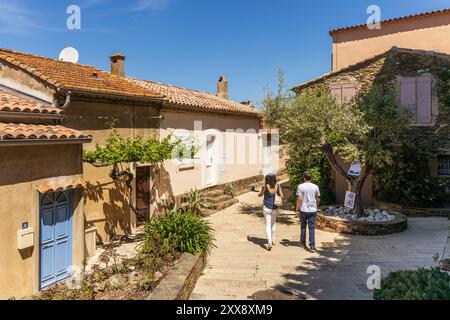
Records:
x=271, y=224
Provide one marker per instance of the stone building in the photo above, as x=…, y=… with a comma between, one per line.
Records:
x=92, y=99
x=41, y=195
x=416, y=76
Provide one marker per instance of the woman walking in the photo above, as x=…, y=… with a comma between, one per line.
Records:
x=273, y=196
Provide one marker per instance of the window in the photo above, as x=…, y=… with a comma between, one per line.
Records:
x=343, y=92
x=188, y=148
x=444, y=165
x=416, y=95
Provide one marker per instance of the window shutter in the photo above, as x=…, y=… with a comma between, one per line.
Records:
x=408, y=93
x=348, y=91
x=424, y=99
x=336, y=91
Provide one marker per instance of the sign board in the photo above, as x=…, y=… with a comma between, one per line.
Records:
x=349, y=200
x=24, y=225
x=355, y=169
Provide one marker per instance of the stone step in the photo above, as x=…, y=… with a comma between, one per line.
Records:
x=214, y=193
x=220, y=198
x=223, y=205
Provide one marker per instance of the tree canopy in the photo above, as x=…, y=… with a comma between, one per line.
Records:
x=366, y=129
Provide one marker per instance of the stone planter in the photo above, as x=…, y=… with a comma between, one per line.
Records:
x=338, y=225
x=180, y=281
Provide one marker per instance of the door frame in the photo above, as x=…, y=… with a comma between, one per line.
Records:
x=211, y=165
x=69, y=195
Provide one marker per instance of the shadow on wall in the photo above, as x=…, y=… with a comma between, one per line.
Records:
x=162, y=189
x=116, y=208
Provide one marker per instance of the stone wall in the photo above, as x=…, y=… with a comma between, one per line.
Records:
x=413, y=212
x=179, y=283
x=386, y=70
x=242, y=186
x=338, y=225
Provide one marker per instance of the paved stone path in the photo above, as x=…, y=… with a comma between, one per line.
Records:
x=240, y=266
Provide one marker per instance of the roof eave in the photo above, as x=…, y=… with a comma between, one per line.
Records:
x=30, y=115
x=25, y=142
x=198, y=109
x=113, y=96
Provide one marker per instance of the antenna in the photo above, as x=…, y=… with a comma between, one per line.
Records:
x=69, y=54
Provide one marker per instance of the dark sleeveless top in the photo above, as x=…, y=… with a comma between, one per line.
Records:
x=269, y=198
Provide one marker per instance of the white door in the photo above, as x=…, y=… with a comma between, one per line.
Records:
x=210, y=166
x=266, y=155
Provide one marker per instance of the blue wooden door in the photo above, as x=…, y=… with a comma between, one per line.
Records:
x=55, y=237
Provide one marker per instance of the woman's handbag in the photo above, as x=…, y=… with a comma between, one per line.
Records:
x=278, y=200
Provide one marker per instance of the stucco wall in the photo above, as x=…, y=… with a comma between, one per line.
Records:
x=425, y=33
x=107, y=201
x=232, y=162
x=12, y=77
x=22, y=168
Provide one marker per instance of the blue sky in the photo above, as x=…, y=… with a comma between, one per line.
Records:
x=191, y=42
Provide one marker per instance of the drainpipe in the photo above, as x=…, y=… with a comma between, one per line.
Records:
x=67, y=102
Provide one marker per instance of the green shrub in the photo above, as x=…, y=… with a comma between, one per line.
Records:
x=408, y=180
x=422, y=284
x=316, y=163
x=230, y=190
x=195, y=202
x=177, y=233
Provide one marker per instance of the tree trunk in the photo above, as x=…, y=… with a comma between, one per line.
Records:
x=356, y=187
x=356, y=183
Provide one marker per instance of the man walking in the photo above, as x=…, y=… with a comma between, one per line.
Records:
x=308, y=200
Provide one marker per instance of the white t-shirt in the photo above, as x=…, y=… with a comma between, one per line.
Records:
x=309, y=191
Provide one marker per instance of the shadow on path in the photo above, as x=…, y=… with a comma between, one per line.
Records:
x=258, y=241
x=245, y=208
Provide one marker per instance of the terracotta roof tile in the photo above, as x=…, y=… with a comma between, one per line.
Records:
x=11, y=102
x=13, y=131
x=60, y=184
x=192, y=98
x=414, y=16
x=67, y=75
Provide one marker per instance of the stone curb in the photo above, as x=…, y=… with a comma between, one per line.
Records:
x=338, y=225
x=180, y=281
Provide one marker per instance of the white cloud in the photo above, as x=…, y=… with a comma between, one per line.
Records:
x=91, y=3
x=150, y=5
x=16, y=19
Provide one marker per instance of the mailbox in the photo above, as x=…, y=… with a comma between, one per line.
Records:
x=25, y=238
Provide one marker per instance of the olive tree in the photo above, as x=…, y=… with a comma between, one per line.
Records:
x=366, y=129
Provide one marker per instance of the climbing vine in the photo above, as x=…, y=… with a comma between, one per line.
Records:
x=119, y=149
x=444, y=87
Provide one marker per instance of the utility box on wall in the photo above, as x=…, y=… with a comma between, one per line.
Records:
x=25, y=238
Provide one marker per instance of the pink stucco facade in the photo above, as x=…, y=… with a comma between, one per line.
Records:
x=426, y=32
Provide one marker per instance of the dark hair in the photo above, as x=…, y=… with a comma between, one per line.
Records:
x=307, y=176
x=271, y=180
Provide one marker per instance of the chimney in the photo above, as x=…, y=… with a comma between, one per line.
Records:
x=118, y=64
x=222, y=87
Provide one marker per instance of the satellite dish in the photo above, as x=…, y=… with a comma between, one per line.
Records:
x=69, y=54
